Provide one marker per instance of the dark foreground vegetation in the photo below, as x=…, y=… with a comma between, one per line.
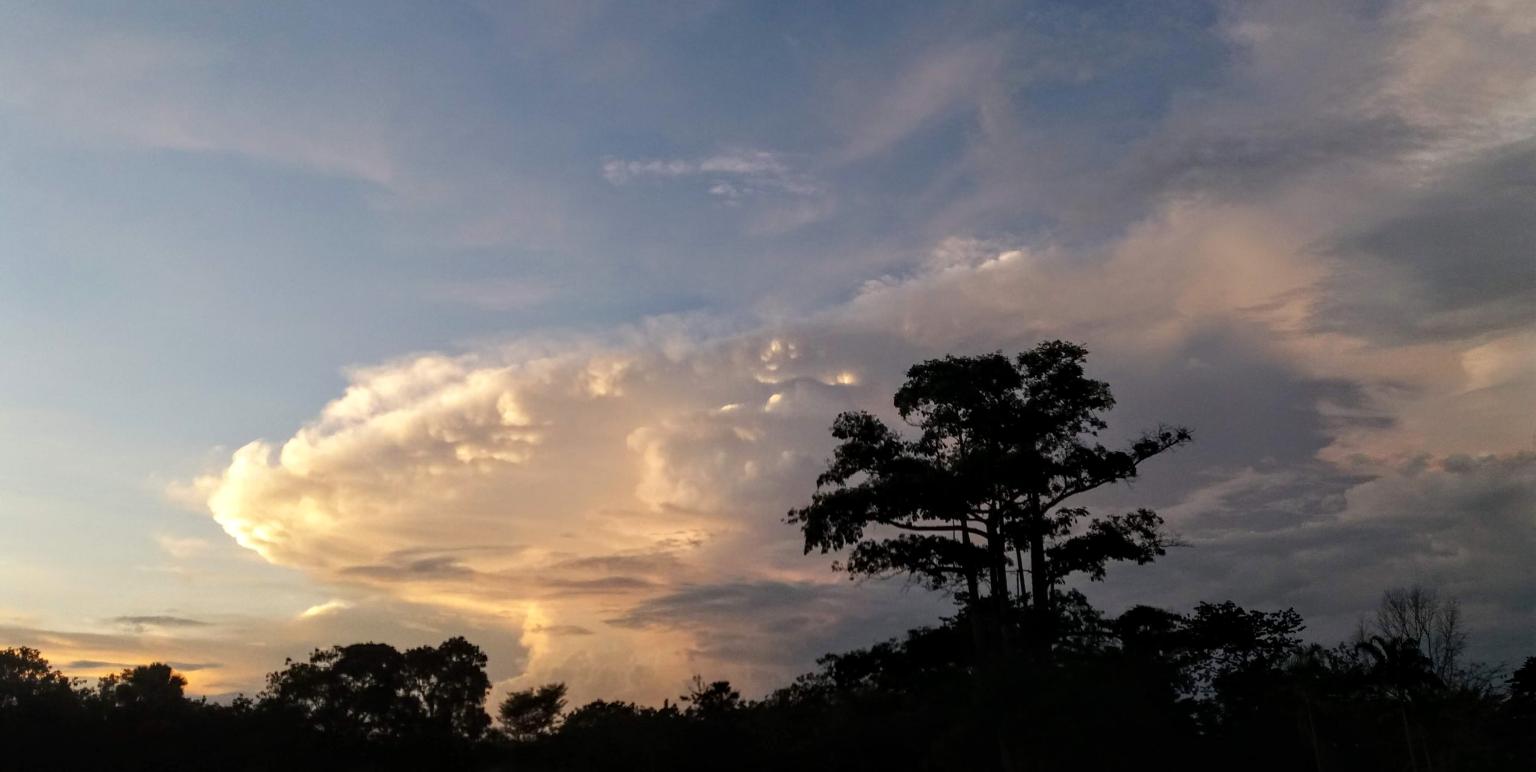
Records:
x=981, y=503
x=1219, y=688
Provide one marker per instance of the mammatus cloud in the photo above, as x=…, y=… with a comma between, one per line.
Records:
x=615, y=501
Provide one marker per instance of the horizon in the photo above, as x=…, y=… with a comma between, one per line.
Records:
x=527, y=322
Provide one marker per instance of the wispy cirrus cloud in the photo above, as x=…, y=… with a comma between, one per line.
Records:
x=730, y=176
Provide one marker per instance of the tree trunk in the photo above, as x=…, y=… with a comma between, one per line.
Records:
x=998, y=558
x=972, y=583
x=985, y=629
x=1018, y=563
x=1317, y=751
x=1040, y=582
x=1413, y=762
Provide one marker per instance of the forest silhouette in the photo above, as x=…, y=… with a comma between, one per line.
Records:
x=977, y=497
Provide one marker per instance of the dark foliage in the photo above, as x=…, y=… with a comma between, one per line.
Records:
x=981, y=492
x=532, y=713
x=1221, y=687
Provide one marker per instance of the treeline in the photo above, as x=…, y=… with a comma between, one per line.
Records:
x=363, y=706
x=1218, y=688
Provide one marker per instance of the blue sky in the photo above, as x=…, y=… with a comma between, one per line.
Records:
x=526, y=319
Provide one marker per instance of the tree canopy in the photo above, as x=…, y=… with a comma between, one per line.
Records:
x=1002, y=446
x=531, y=713
x=369, y=690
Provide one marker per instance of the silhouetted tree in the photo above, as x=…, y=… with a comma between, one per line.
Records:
x=1433, y=624
x=152, y=687
x=1003, y=445
x=371, y=690
x=532, y=713
x=710, y=700
x=1522, y=685
x=1520, y=711
x=349, y=691
x=1401, y=673
x=28, y=682
x=450, y=683
x=1230, y=642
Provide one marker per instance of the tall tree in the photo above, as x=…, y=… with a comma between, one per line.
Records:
x=532, y=713
x=1003, y=445
x=450, y=683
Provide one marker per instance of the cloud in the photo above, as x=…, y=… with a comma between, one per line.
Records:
x=559, y=630
x=1330, y=544
x=747, y=163
x=322, y=609
x=345, y=117
x=182, y=547
x=139, y=624
x=249, y=646
x=937, y=81
x=643, y=474
x=639, y=475
x=1459, y=257
x=732, y=176
x=757, y=631
x=161, y=92
x=496, y=295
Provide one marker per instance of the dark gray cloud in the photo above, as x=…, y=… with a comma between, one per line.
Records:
x=556, y=587
x=648, y=563
x=436, y=567
x=90, y=664
x=559, y=630
x=192, y=667
x=712, y=604
x=96, y=664
x=1329, y=544
x=760, y=629
x=1455, y=261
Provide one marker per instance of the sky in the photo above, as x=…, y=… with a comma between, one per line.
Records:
x=334, y=322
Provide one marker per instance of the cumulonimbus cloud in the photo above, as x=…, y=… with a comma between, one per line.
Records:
x=603, y=484
x=617, y=499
